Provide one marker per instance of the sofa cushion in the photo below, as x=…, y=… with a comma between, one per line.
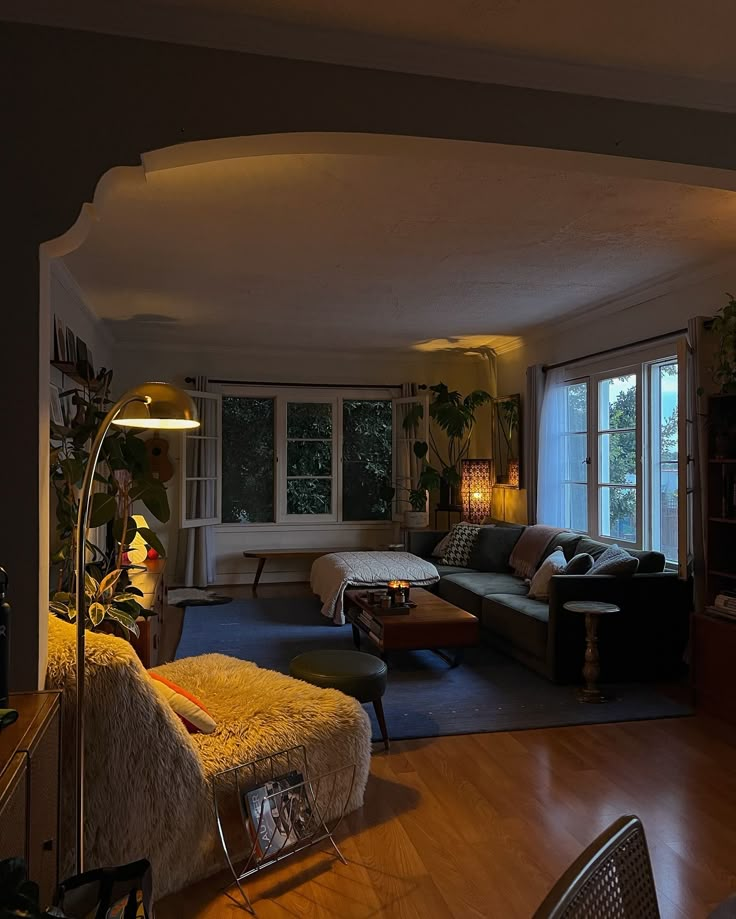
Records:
x=444, y=570
x=567, y=541
x=650, y=562
x=555, y=563
x=460, y=544
x=518, y=620
x=460, y=594
x=615, y=560
x=489, y=582
x=579, y=564
x=493, y=547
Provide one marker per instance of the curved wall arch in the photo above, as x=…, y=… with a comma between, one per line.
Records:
x=83, y=103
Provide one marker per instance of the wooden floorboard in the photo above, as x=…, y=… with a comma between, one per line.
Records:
x=482, y=825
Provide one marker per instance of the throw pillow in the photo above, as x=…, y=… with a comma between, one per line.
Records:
x=439, y=549
x=579, y=564
x=460, y=545
x=615, y=560
x=553, y=564
x=196, y=718
x=493, y=547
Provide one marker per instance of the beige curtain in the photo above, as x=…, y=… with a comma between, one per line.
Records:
x=532, y=418
x=195, y=557
x=407, y=464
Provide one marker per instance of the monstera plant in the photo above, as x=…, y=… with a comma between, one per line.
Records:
x=454, y=415
x=124, y=476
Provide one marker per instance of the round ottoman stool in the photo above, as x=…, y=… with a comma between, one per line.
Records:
x=357, y=674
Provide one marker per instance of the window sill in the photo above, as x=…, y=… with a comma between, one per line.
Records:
x=306, y=525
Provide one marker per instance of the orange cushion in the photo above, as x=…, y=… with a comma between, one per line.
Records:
x=195, y=716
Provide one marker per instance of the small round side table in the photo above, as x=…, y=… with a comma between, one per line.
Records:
x=591, y=609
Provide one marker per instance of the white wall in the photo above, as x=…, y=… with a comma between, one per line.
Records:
x=459, y=370
x=656, y=312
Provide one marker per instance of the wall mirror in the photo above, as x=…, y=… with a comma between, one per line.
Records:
x=506, y=434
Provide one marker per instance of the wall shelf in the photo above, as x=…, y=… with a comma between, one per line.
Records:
x=69, y=369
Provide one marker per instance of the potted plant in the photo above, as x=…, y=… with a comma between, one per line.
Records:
x=418, y=496
x=723, y=325
x=454, y=415
x=125, y=477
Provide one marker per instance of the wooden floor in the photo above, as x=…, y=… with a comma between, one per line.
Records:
x=481, y=825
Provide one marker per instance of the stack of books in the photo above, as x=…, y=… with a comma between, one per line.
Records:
x=724, y=605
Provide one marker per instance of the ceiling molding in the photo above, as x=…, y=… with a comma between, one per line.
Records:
x=233, y=32
x=61, y=273
x=638, y=297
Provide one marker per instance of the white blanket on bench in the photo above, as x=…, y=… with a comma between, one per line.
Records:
x=331, y=574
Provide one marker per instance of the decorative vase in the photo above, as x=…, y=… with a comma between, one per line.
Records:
x=416, y=520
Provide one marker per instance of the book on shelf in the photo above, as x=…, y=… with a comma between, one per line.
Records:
x=278, y=814
x=721, y=613
x=725, y=601
x=372, y=624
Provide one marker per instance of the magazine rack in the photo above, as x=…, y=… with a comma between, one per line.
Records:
x=272, y=808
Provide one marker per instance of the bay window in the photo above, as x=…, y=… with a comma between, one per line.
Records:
x=615, y=433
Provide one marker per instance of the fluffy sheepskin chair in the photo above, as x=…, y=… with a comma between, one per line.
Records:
x=148, y=789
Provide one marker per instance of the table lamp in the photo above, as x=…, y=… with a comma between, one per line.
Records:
x=150, y=405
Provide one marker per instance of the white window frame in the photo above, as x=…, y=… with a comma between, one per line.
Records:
x=213, y=475
x=336, y=396
x=639, y=361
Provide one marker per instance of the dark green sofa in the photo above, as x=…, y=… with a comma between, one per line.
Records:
x=645, y=641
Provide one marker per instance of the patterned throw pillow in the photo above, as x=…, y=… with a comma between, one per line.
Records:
x=460, y=544
x=439, y=549
x=615, y=560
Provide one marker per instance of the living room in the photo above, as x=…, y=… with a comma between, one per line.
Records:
x=341, y=269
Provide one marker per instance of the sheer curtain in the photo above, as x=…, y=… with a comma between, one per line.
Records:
x=551, y=472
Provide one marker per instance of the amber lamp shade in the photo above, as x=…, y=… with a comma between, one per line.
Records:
x=476, y=489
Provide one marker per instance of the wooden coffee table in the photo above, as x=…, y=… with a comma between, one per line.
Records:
x=433, y=624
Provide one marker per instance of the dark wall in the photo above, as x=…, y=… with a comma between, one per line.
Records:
x=76, y=104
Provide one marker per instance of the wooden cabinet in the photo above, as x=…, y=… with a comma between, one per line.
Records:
x=153, y=584
x=714, y=636
x=29, y=787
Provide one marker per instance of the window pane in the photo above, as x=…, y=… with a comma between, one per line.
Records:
x=309, y=419
x=309, y=496
x=247, y=460
x=576, y=469
x=366, y=462
x=577, y=407
x=309, y=457
x=664, y=459
x=617, y=458
x=617, y=513
x=617, y=403
x=576, y=507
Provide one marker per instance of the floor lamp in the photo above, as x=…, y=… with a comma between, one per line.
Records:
x=151, y=405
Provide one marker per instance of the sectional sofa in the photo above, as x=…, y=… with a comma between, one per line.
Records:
x=645, y=641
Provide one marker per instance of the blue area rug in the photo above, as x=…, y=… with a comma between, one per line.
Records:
x=425, y=698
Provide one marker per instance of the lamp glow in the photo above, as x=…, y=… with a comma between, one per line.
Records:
x=150, y=405
x=476, y=490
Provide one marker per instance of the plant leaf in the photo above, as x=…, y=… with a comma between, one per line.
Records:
x=96, y=613
x=127, y=621
x=91, y=586
x=102, y=510
x=153, y=541
x=153, y=494
x=421, y=449
x=107, y=586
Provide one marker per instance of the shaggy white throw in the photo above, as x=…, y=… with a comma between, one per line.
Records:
x=148, y=791
x=332, y=574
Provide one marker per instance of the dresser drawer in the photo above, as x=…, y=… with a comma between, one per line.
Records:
x=14, y=808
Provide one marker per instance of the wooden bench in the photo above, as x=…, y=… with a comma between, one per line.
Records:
x=263, y=555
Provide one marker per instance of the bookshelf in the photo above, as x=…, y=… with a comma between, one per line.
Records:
x=714, y=636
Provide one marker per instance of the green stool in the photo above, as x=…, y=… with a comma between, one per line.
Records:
x=357, y=674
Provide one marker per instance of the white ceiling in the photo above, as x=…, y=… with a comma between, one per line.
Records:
x=672, y=51
x=373, y=252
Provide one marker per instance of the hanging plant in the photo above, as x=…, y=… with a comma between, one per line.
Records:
x=723, y=325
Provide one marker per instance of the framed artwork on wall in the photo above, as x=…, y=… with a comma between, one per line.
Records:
x=71, y=347
x=59, y=340
x=506, y=422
